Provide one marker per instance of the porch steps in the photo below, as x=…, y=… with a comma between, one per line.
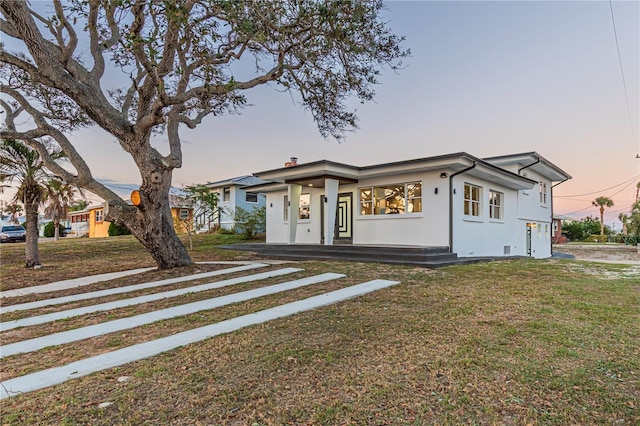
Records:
x=429, y=257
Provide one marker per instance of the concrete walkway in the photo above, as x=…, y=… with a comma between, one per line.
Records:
x=41, y=319
x=119, y=290
x=66, y=284
x=57, y=375
x=151, y=317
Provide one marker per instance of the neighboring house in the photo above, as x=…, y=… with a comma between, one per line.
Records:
x=181, y=213
x=80, y=222
x=90, y=221
x=499, y=206
x=233, y=193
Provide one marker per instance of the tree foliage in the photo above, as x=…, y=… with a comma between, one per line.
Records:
x=602, y=202
x=23, y=167
x=250, y=223
x=59, y=197
x=50, y=230
x=179, y=62
x=116, y=229
x=581, y=230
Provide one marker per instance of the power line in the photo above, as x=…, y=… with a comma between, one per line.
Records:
x=596, y=192
x=624, y=83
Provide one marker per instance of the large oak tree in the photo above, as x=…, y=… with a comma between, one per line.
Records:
x=176, y=62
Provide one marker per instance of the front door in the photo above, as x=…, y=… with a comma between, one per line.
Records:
x=343, y=233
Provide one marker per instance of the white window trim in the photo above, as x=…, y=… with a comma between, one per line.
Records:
x=470, y=216
x=406, y=213
x=499, y=219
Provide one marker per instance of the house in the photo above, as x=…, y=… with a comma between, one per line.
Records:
x=233, y=193
x=499, y=206
x=90, y=221
x=181, y=213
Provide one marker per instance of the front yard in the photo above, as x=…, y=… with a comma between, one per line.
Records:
x=510, y=342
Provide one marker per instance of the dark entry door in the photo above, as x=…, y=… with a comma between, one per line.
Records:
x=529, y=227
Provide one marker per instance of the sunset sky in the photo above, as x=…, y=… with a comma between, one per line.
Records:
x=487, y=78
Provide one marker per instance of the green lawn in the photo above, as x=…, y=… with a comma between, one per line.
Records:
x=513, y=342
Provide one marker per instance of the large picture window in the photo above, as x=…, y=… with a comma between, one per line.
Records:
x=471, y=200
x=391, y=199
x=495, y=204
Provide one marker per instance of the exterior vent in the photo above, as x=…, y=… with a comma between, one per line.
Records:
x=507, y=249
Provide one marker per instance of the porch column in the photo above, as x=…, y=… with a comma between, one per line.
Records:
x=330, y=206
x=294, y=210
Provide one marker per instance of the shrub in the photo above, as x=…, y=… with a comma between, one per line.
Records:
x=116, y=229
x=598, y=238
x=50, y=230
x=250, y=223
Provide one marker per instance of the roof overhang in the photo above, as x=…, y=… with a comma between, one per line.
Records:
x=314, y=174
x=534, y=162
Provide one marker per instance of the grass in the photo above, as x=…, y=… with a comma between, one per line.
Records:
x=519, y=342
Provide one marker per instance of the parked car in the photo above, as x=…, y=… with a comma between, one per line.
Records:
x=12, y=233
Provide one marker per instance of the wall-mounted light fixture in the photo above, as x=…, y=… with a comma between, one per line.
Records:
x=270, y=204
x=325, y=198
x=444, y=175
x=436, y=191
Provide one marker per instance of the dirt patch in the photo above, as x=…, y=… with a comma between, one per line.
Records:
x=614, y=253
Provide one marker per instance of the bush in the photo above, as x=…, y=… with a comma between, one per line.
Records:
x=50, y=230
x=116, y=229
x=250, y=223
x=598, y=238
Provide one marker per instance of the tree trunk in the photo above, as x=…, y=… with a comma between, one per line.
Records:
x=56, y=231
x=601, y=220
x=152, y=224
x=31, y=247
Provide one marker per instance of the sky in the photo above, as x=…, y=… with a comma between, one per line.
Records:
x=487, y=78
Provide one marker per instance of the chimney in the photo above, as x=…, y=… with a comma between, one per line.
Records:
x=292, y=163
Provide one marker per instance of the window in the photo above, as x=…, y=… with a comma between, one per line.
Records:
x=495, y=204
x=286, y=208
x=99, y=215
x=251, y=197
x=305, y=207
x=184, y=214
x=543, y=193
x=471, y=200
x=392, y=199
x=546, y=231
x=539, y=231
x=226, y=193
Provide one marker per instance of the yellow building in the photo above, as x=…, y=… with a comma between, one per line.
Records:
x=90, y=221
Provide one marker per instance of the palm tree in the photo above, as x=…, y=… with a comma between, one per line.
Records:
x=21, y=165
x=58, y=196
x=602, y=202
x=13, y=210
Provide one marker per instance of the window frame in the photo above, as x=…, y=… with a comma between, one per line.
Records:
x=99, y=215
x=302, y=206
x=372, y=205
x=180, y=216
x=543, y=193
x=226, y=194
x=471, y=201
x=493, y=195
x=246, y=197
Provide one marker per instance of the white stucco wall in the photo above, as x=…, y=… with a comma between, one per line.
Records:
x=480, y=235
x=428, y=228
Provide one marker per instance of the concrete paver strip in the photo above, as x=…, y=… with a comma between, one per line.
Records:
x=67, y=284
x=41, y=319
x=119, y=290
x=57, y=375
x=150, y=317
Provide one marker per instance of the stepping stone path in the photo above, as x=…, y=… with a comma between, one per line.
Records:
x=52, y=376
